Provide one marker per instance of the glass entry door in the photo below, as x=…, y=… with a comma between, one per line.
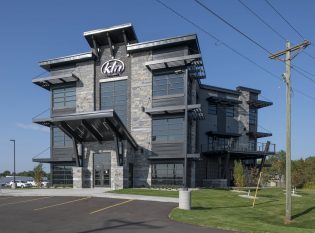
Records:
x=102, y=164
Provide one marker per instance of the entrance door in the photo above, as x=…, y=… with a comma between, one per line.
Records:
x=102, y=164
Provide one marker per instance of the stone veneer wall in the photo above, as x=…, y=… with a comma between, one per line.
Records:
x=141, y=96
x=119, y=174
x=243, y=118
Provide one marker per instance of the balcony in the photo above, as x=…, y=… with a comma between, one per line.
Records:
x=237, y=147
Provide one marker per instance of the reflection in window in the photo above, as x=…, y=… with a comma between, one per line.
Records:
x=168, y=84
x=168, y=129
x=62, y=175
x=167, y=174
x=60, y=139
x=64, y=97
x=212, y=109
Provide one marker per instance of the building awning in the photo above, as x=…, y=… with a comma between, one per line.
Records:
x=223, y=101
x=259, y=134
x=195, y=110
x=223, y=134
x=259, y=103
x=47, y=82
x=90, y=126
x=196, y=69
x=115, y=33
x=52, y=160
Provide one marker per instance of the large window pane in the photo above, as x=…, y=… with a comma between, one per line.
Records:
x=60, y=139
x=114, y=96
x=63, y=97
x=168, y=174
x=168, y=84
x=168, y=130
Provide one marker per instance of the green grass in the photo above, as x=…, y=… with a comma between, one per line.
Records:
x=225, y=209
x=147, y=192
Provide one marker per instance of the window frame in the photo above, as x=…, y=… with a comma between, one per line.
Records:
x=165, y=130
x=63, y=97
x=168, y=82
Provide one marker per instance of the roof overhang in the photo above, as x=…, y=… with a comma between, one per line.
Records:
x=259, y=134
x=80, y=57
x=195, y=110
x=53, y=160
x=47, y=82
x=90, y=126
x=223, y=101
x=223, y=135
x=175, y=62
x=259, y=103
x=189, y=40
x=116, y=34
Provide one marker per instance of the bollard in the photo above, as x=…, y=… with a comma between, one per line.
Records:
x=184, y=199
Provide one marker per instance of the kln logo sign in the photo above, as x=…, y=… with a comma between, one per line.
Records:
x=113, y=67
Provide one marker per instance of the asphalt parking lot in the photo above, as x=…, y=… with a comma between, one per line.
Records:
x=88, y=214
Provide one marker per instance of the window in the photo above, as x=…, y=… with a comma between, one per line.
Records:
x=212, y=109
x=62, y=175
x=168, y=130
x=252, y=116
x=114, y=96
x=168, y=84
x=63, y=98
x=167, y=174
x=229, y=111
x=60, y=139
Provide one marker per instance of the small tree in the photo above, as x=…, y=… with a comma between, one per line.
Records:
x=238, y=174
x=38, y=174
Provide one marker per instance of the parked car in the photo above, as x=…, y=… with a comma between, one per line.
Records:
x=20, y=184
x=44, y=184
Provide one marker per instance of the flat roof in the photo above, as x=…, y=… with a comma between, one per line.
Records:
x=241, y=88
x=190, y=40
x=219, y=89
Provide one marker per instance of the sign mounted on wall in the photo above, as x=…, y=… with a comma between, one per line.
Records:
x=113, y=67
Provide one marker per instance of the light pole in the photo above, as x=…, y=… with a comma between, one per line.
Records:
x=13, y=140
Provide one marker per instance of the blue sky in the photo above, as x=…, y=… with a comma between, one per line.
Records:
x=32, y=31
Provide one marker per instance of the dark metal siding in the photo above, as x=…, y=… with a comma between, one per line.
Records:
x=168, y=101
x=168, y=149
x=63, y=154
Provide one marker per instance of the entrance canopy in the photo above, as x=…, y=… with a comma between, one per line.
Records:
x=90, y=126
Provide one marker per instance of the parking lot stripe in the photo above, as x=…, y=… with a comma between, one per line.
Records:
x=4, y=198
x=20, y=202
x=108, y=207
x=64, y=203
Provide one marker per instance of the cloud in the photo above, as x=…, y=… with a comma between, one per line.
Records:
x=33, y=127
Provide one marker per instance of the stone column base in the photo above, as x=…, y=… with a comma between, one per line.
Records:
x=77, y=177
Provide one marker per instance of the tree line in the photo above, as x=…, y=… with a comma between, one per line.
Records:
x=302, y=172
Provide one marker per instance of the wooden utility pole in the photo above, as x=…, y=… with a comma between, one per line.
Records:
x=287, y=77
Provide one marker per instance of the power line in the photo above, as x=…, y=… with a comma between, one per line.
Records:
x=282, y=17
x=232, y=26
x=262, y=20
x=300, y=70
x=229, y=47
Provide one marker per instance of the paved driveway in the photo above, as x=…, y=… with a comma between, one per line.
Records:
x=88, y=214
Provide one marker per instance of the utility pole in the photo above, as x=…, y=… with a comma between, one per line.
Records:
x=287, y=77
x=14, y=184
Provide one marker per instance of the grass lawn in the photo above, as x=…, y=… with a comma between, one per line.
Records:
x=147, y=192
x=225, y=209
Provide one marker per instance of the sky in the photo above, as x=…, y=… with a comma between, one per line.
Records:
x=36, y=30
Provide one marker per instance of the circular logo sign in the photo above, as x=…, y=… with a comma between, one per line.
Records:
x=113, y=67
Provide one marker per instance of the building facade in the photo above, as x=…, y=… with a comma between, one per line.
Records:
x=127, y=113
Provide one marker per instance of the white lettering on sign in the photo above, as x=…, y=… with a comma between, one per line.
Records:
x=113, y=67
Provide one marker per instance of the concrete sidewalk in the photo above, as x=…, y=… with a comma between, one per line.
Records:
x=87, y=192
